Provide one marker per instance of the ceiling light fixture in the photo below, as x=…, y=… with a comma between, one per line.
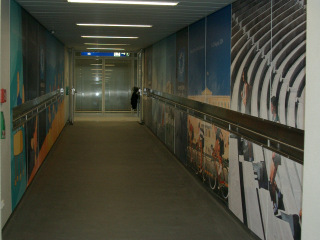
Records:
x=119, y=49
x=107, y=44
x=160, y=3
x=108, y=37
x=112, y=25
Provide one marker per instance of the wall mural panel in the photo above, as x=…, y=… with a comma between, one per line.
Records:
x=268, y=81
x=37, y=68
x=182, y=63
x=159, y=65
x=180, y=135
x=218, y=40
x=268, y=60
x=148, y=68
x=169, y=127
x=17, y=97
x=170, y=64
x=266, y=191
x=196, y=66
x=249, y=57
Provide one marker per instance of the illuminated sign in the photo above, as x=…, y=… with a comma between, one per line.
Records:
x=105, y=54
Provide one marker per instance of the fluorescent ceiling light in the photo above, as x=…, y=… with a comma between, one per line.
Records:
x=109, y=65
x=107, y=44
x=106, y=37
x=97, y=69
x=159, y=3
x=119, y=49
x=96, y=64
x=112, y=25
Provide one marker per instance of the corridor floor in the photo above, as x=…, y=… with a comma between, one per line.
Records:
x=117, y=181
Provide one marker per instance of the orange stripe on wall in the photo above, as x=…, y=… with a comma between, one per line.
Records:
x=56, y=128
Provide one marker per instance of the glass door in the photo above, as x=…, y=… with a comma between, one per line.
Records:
x=103, y=85
x=88, y=76
x=117, y=85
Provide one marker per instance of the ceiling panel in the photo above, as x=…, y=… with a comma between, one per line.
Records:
x=61, y=17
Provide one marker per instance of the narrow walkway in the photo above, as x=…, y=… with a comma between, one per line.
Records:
x=116, y=181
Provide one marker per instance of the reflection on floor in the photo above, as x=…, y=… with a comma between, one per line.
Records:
x=103, y=117
x=115, y=180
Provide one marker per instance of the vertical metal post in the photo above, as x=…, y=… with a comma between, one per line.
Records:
x=140, y=70
x=72, y=87
x=103, y=86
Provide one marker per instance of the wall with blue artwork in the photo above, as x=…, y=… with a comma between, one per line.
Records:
x=248, y=57
x=36, y=68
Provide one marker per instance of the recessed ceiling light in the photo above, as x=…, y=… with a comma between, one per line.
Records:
x=112, y=25
x=107, y=44
x=107, y=37
x=160, y=3
x=119, y=49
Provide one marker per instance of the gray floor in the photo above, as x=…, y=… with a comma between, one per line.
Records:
x=110, y=117
x=115, y=180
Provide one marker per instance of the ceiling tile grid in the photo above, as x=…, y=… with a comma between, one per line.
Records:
x=61, y=17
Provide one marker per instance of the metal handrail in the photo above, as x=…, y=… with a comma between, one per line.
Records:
x=28, y=110
x=276, y=137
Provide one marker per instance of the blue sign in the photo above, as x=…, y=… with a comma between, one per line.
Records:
x=105, y=54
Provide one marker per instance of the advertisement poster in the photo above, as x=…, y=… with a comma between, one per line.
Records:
x=36, y=68
x=158, y=119
x=196, y=68
x=159, y=66
x=265, y=191
x=17, y=97
x=148, y=68
x=268, y=70
x=268, y=81
x=169, y=127
x=208, y=155
x=218, y=48
x=182, y=63
x=170, y=64
x=181, y=135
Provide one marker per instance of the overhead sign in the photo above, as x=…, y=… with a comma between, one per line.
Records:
x=105, y=54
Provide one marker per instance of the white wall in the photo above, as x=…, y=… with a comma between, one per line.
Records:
x=311, y=177
x=5, y=107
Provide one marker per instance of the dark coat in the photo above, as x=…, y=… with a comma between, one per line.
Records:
x=134, y=98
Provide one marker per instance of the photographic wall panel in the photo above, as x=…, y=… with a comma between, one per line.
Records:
x=249, y=57
x=182, y=63
x=36, y=68
x=218, y=40
x=196, y=59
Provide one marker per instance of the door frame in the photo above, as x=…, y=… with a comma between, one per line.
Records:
x=76, y=56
